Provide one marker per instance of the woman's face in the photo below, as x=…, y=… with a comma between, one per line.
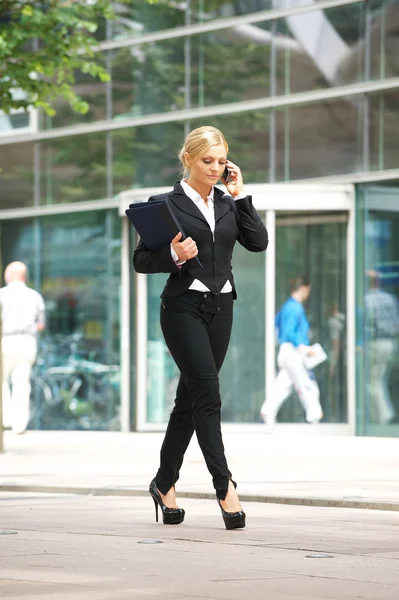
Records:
x=208, y=168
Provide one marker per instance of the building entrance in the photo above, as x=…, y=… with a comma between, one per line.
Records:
x=311, y=233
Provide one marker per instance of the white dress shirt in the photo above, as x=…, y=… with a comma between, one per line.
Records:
x=22, y=309
x=209, y=213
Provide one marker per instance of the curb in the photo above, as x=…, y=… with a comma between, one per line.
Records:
x=288, y=500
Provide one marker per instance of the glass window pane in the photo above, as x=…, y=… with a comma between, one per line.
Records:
x=162, y=373
x=90, y=90
x=135, y=18
x=314, y=245
x=205, y=10
x=242, y=378
x=18, y=242
x=146, y=156
x=319, y=139
x=319, y=49
x=76, y=380
x=73, y=169
x=12, y=122
x=147, y=79
x=16, y=175
x=379, y=402
x=230, y=65
x=384, y=130
x=247, y=134
x=383, y=39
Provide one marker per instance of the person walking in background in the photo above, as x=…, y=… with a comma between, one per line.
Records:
x=197, y=311
x=293, y=336
x=23, y=315
x=382, y=325
x=336, y=326
x=336, y=329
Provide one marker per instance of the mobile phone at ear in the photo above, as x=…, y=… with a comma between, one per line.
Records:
x=227, y=176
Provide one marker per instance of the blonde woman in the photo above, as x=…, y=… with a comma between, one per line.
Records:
x=197, y=310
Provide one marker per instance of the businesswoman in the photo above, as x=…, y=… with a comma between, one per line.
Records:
x=197, y=310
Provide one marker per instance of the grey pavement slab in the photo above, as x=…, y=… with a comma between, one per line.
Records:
x=348, y=471
x=90, y=547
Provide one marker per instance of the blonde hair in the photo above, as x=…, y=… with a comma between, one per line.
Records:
x=198, y=142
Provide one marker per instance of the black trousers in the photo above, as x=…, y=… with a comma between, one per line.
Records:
x=197, y=329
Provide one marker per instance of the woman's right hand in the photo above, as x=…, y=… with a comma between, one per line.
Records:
x=184, y=250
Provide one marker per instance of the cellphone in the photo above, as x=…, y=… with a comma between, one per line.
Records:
x=227, y=176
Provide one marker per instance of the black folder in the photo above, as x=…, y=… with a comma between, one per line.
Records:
x=156, y=224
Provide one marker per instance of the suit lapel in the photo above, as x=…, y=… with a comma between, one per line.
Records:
x=222, y=204
x=184, y=203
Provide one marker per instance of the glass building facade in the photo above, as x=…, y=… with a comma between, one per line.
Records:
x=307, y=94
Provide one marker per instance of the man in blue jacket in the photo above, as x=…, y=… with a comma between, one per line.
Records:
x=293, y=336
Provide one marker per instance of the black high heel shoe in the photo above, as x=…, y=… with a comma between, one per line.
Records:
x=232, y=520
x=170, y=516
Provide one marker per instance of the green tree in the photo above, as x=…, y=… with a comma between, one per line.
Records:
x=43, y=44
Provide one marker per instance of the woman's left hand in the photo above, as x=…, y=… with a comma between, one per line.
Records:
x=236, y=185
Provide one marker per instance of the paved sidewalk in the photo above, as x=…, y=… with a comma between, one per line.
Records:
x=316, y=470
x=63, y=547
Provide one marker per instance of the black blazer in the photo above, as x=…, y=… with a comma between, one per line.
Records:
x=234, y=221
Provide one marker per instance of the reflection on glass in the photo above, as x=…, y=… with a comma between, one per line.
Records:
x=247, y=134
x=146, y=156
x=162, y=373
x=242, y=378
x=313, y=50
x=384, y=39
x=16, y=175
x=319, y=49
x=18, y=243
x=11, y=122
x=319, y=139
x=90, y=90
x=73, y=169
x=316, y=49
x=315, y=245
x=379, y=403
x=384, y=130
x=135, y=17
x=76, y=380
x=148, y=79
x=230, y=65
x=381, y=317
x=204, y=10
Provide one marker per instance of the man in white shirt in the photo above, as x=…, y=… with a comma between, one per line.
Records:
x=382, y=329
x=23, y=315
